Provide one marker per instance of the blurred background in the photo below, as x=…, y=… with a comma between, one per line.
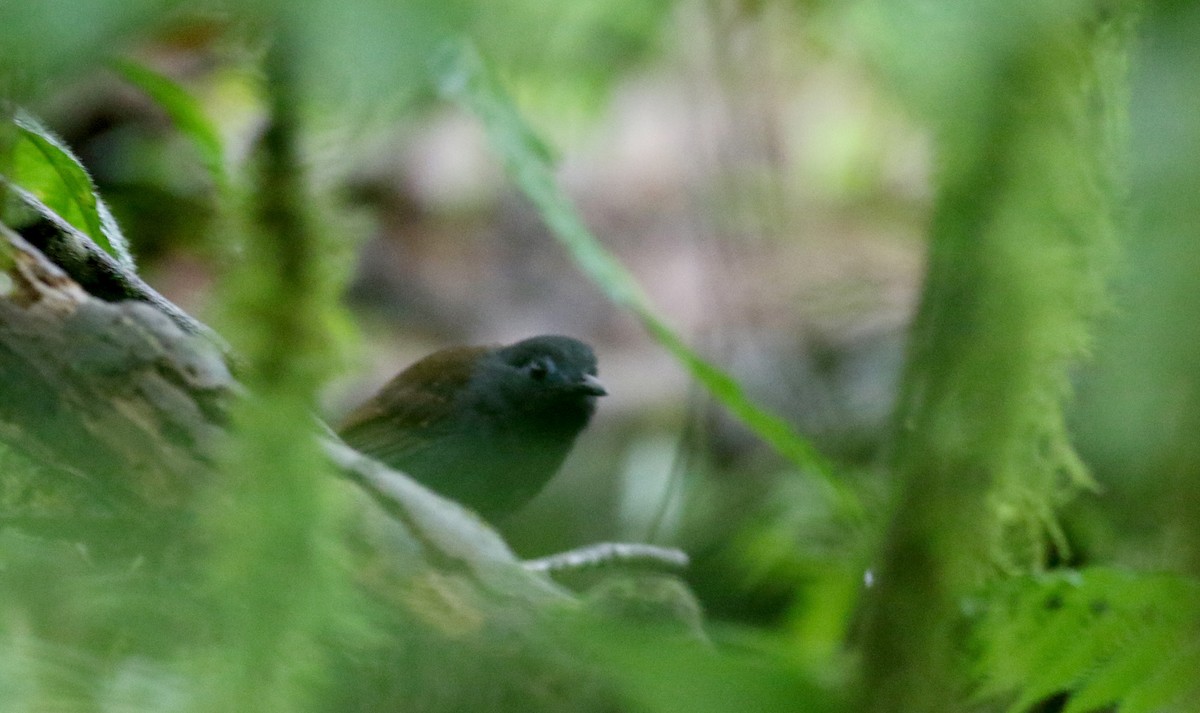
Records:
x=738, y=157
x=781, y=177
x=766, y=171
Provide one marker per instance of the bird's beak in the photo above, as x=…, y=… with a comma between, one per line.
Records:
x=591, y=385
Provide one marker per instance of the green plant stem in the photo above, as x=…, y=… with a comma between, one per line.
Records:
x=271, y=515
x=1021, y=241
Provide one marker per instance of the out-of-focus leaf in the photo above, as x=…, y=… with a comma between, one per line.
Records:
x=51, y=180
x=462, y=75
x=186, y=113
x=663, y=673
x=1102, y=634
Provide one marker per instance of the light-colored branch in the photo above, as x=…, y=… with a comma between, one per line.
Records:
x=119, y=397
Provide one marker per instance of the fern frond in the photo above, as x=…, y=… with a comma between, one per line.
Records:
x=1105, y=636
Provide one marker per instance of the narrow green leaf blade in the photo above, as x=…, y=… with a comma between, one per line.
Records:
x=185, y=112
x=462, y=76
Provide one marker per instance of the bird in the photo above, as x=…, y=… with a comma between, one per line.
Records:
x=486, y=426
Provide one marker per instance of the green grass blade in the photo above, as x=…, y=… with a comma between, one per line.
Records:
x=185, y=112
x=462, y=76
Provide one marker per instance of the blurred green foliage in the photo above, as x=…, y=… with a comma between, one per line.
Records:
x=1101, y=633
x=187, y=115
x=1053, y=165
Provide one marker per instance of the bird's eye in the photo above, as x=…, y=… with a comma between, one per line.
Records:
x=538, y=369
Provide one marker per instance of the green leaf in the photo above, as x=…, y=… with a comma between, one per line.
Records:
x=185, y=112
x=661, y=674
x=1104, y=635
x=1063, y=657
x=462, y=76
x=1117, y=677
x=50, y=179
x=1172, y=686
